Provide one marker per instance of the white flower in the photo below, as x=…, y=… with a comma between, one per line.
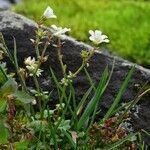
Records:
x=97, y=37
x=48, y=13
x=71, y=75
x=59, y=31
x=64, y=81
x=39, y=71
x=34, y=102
x=29, y=61
x=87, y=64
x=32, y=71
x=31, y=65
x=31, y=68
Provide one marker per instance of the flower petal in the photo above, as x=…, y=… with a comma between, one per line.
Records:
x=91, y=32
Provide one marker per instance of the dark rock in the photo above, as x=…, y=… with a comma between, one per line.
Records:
x=22, y=29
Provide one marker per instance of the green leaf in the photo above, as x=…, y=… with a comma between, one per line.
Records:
x=90, y=79
x=3, y=133
x=21, y=145
x=94, y=101
x=9, y=87
x=120, y=94
x=73, y=144
x=83, y=100
x=64, y=125
x=120, y=142
x=3, y=103
x=23, y=97
x=96, y=108
x=3, y=76
x=146, y=132
x=55, y=79
x=38, y=125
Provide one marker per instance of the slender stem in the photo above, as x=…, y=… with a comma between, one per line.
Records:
x=11, y=147
x=17, y=67
x=62, y=96
x=39, y=91
x=6, y=50
x=41, y=57
x=37, y=47
x=13, y=59
x=144, y=93
x=23, y=83
x=60, y=56
x=45, y=48
x=37, y=43
x=133, y=104
x=79, y=69
x=3, y=72
x=84, y=63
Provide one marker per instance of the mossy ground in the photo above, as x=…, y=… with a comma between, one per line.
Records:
x=126, y=23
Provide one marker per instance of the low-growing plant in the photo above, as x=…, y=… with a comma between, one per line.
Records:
x=28, y=122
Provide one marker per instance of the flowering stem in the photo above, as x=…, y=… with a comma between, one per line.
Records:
x=15, y=62
x=134, y=102
x=84, y=62
x=79, y=69
x=41, y=58
x=45, y=48
x=61, y=107
x=23, y=83
x=21, y=78
x=60, y=56
x=62, y=96
x=37, y=44
x=39, y=91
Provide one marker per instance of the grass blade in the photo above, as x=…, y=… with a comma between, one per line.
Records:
x=73, y=144
x=118, y=143
x=53, y=131
x=95, y=110
x=120, y=94
x=92, y=104
x=3, y=75
x=89, y=79
x=82, y=102
x=55, y=80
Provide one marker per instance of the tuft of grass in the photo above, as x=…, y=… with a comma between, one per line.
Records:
x=125, y=22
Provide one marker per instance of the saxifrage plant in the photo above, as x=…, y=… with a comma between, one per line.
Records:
x=28, y=122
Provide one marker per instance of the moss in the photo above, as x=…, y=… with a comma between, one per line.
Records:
x=125, y=22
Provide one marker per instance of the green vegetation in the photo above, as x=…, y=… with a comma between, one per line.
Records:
x=126, y=23
x=27, y=121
